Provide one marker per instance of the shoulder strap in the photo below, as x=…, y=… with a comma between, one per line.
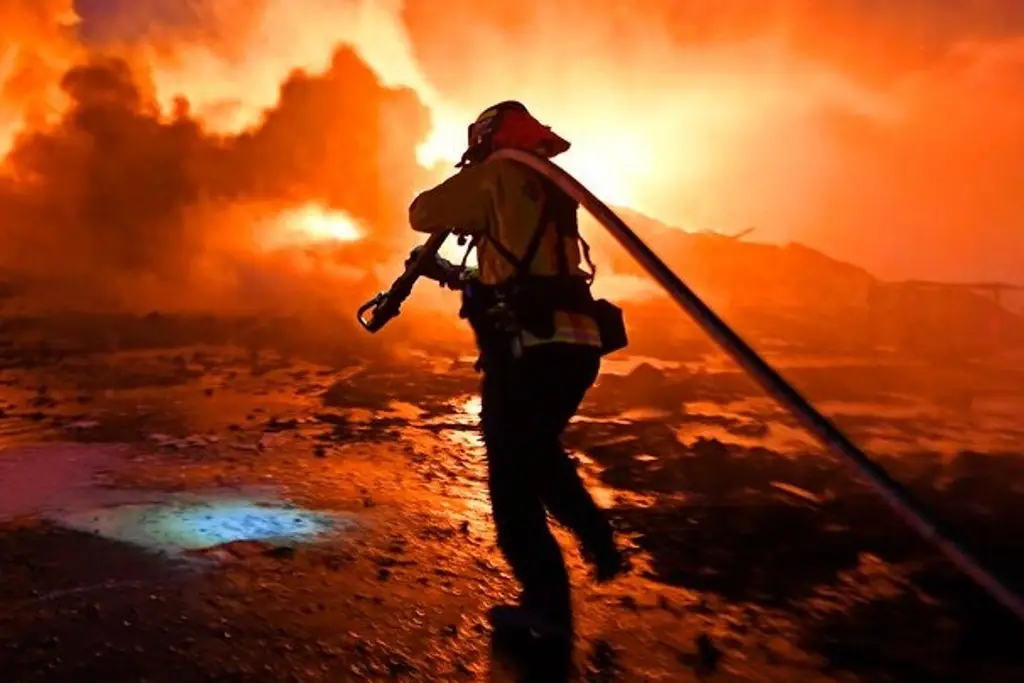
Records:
x=469, y=250
x=547, y=216
x=560, y=239
x=500, y=248
x=523, y=267
x=586, y=257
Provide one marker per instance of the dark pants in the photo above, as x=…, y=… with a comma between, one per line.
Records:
x=526, y=404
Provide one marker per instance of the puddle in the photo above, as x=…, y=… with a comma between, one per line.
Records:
x=67, y=484
x=46, y=477
x=625, y=365
x=911, y=409
x=463, y=411
x=403, y=411
x=198, y=521
x=470, y=440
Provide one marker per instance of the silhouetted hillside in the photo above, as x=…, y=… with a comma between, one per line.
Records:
x=793, y=294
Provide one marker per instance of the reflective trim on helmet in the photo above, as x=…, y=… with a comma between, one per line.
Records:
x=483, y=126
x=490, y=113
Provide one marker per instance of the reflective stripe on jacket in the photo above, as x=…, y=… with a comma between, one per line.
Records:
x=570, y=328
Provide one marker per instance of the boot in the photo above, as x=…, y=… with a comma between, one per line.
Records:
x=608, y=563
x=523, y=620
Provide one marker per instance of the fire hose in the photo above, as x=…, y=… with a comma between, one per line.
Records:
x=378, y=311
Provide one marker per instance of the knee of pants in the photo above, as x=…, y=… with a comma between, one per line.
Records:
x=497, y=426
x=515, y=503
x=517, y=509
x=522, y=535
x=511, y=445
x=495, y=436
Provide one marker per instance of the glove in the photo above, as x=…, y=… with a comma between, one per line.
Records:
x=435, y=268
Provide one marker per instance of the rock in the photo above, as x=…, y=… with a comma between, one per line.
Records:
x=282, y=552
x=336, y=419
x=275, y=424
x=162, y=439
x=796, y=491
x=709, y=655
x=398, y=666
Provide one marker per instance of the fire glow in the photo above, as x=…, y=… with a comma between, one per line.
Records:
x=153, y=113
x=311, y=224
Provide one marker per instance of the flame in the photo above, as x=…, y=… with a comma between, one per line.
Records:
x=35, y=49
x=311, y=224
x=648, y=148
x=611, y=158
x=710, y=119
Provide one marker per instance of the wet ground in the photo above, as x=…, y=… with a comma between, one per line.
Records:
x=177, y=504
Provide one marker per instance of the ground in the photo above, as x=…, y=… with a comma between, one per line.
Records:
x=179, y=503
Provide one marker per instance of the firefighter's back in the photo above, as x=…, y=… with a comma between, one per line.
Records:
x=524, y=202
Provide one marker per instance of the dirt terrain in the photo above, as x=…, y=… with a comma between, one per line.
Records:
x=200, y=500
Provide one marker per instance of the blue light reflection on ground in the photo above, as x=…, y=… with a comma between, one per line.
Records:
x=195, y=523
x=240, y=520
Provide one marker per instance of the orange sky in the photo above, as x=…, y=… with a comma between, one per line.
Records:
x=887, y=136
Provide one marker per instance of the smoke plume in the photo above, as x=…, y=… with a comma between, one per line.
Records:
x=157, y=153
x=886, y=134
x=126, y=203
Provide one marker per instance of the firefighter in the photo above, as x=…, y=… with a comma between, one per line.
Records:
x=530, y=307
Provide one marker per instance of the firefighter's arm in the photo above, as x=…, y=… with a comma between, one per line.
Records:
x=461, y=204
x=434, y=268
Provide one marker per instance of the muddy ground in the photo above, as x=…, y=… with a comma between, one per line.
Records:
x=205, y=500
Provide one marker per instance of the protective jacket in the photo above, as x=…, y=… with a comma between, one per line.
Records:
x=503, y=206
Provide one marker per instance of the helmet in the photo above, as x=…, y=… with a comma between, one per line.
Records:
x=509, y=124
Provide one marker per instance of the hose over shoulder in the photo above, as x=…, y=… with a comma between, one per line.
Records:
x=896, y=495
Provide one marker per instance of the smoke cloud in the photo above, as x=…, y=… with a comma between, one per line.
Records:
x=886, y=134
x=121, y=202
x=151, y=147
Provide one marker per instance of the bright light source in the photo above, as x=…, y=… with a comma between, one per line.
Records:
x=306, y=225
